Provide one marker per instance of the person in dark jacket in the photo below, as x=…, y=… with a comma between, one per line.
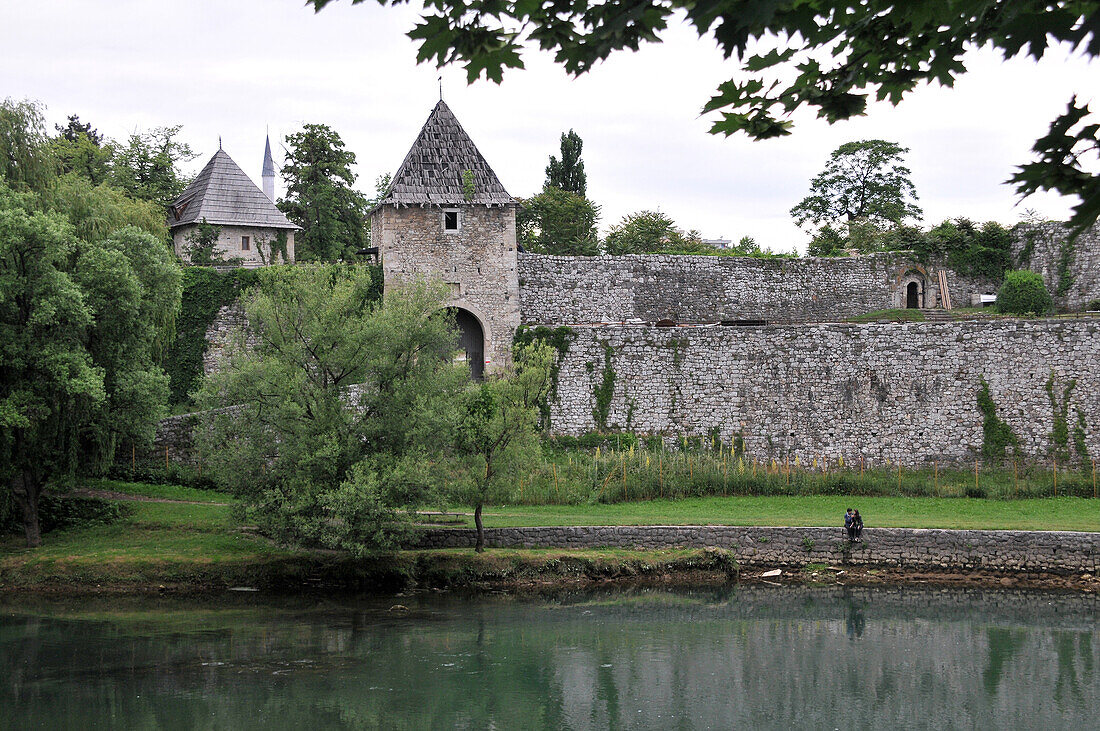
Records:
x=857, y=526
x=848, y=517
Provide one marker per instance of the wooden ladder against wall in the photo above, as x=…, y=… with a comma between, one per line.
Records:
x=945, y=293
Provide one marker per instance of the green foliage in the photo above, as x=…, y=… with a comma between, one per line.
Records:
x=202, y=244
x=335, y=404
x=1093, y=305
x=320, y=197
x=1023, y=292
x=81, y=325
x=1023, y=260
x=650, y=232
x=1080, y=446
x=83, y=156
x=147, y=167
x=558, y=222
x=603, y=392
x=468, y=185
x=828, y=241
x=558, y=339
x=205, y=291
x=997, y=436
x=97, y=211
x=862, y=180
x=834, y=57
x=25, y=159
x=495, y=431
x=568, y=173
x=1059, y=432
x=967, y=249
x=63, y=512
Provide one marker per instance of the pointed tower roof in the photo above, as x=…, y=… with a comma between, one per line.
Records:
x=269, y=164
x=224, y=195
x=432, y=171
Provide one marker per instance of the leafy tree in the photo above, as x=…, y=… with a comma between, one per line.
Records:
x=80, y=326
x=147, y=167
x=335, y=403
x=568, y=173
x=828, y=241
x=496, y=434
x=1023, y=292
x=319, y=196
x=970, y=250
x=827, y=54
x=97, y=211
x=558, y=222
x=25, y=160
x=651, y=232
x=862, y=180
x=81, y=149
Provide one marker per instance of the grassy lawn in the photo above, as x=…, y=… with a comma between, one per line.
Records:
x=1077, y=514
x=168, y=492
x=895, y=315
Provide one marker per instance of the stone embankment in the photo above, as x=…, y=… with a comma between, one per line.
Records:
x=935, y=549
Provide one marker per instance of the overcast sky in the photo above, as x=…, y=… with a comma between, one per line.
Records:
x=237, y=68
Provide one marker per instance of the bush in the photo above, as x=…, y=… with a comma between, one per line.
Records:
x=1023, y=292
x=58, y=512
x=1093, y=306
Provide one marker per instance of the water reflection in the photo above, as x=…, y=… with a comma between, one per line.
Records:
x=753, y=657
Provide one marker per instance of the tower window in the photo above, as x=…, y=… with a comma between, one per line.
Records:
x=451, y=221
x=246, y=243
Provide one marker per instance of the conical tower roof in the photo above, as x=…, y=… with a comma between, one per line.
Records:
x=432, y=171
x=224, y=195
x=269, y=164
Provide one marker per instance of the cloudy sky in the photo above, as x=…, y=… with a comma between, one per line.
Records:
x=235, y=69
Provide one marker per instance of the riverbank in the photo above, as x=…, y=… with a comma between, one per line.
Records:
x=181, y=540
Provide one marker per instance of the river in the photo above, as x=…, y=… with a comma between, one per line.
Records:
x=640, y=658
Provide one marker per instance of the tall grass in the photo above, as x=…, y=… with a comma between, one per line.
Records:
x=640, y=472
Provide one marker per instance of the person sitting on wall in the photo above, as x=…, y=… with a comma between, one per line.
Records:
x=848, y=524
x=857, y=526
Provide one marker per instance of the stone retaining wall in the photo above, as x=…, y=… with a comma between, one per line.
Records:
x=900, y=392
x=1057, y=552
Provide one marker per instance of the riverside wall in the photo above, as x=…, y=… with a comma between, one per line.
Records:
x=903, y=392
x=1055, y=552
x=556, y=290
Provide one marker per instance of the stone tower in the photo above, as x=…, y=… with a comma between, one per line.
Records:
x=447, y=217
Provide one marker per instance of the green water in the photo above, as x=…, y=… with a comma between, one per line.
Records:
x=745, y=657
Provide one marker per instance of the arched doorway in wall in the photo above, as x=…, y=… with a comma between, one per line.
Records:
x=471, y=339
x=912, y=296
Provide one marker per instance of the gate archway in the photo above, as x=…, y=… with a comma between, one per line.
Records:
x=471, y=340
x=912, y=296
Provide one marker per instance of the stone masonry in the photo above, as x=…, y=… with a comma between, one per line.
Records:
x=1045, y=248
x=1057, y=552
x=900, y=392
x=477, y=263
x=229, y=244
x=561, y=290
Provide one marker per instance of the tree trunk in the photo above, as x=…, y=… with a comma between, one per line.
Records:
x=26, y=490
x=480, y=545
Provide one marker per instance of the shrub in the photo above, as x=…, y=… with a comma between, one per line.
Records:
x=59, y=512
x=1023, y=292
x=1093, y=306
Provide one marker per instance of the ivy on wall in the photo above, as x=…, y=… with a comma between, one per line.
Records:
x=1059, y=433
x=205, y=292
x=605, y=390
x=997, y=436
x=1065, y=259
x=557, y=338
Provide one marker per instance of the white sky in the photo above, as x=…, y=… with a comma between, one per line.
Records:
x=235, y=68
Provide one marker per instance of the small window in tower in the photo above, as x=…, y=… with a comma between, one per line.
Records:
x=245, y=243
x=450, y=221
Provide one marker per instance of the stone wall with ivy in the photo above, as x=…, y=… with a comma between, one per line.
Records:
x=1070, y=269
x=907, y=393
x=564, y=290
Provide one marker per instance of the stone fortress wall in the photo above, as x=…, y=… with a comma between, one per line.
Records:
x=1046, y=248
x=694, y=289
x=885, y=391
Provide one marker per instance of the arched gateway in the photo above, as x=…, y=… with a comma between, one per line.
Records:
x=471, y=340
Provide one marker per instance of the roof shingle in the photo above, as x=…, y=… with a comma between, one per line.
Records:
x=431, y=173
x=224, y=195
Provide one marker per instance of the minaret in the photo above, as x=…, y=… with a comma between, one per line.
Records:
x=269, y=171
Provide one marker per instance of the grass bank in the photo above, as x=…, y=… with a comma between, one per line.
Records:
x=200, y=545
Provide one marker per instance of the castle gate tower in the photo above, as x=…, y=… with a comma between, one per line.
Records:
x=447, y=217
